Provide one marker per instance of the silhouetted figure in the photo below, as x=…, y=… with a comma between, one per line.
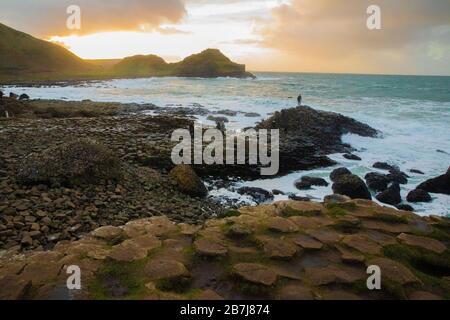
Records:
x=299, y=100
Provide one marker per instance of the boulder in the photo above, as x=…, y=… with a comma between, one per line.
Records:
x=384, y=166
x=71, y=163
x=24, y=97
x=335, y=198
x=258, y=194
x=391, y=195
x=352, y=186
x=184, y=178
x=307, y=182
x=398, y=176
x=416, y=171
x=440, y=184
x=405, y=207
x=336, y=173
x=351, y=156
x=377, y=181
x=418, y=195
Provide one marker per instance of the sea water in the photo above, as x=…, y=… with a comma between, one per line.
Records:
x=412, y=112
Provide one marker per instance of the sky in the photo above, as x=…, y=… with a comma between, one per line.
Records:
x=266, y=35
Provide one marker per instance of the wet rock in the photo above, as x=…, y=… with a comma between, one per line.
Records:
x=258, y=194
x=187, y=181
x=72, y=163
x=351, y=156
x=397, y=176
x=277, y=192
x=440, y=184
x=352, y=186
x=391, y=195
x=416, y=171
x=337, y=173
x=255, y=273
x=298, y=198
x=307, y=182
x=377, y=181
x=418, y=195
x=218, y=119
x=384, y=166
x=24, y=96
x=405, y=207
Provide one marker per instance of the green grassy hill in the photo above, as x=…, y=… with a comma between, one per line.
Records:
x=25, y=59
x=22, y=55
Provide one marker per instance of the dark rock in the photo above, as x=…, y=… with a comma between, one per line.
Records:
x=384, y=166
x=258, y=194
x=337, y=173
x=218, y=119
x=307, y=182
x=186, y=180
x=252, y=114
x=299, y=198
x=352, y=186
x=12, y=95
x=72, y=163
x=391, y=195
x=405, y=207
x=351, y=156
x=277, y=192
x=377, y=181
x=227, y=112
x=418, y=195
x=24, y=97
x=416, y=171
x=440, y=184
x=398, y=176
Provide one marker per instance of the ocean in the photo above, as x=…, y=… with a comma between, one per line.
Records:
x=412, y=112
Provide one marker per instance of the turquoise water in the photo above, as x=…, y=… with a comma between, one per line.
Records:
x=413, y=112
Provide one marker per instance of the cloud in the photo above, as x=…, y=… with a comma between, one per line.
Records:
x=333, y=34
x=48, y=17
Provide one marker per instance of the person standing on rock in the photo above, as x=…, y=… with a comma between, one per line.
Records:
x=299, y=100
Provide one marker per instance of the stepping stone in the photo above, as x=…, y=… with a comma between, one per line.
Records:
x=381, y=238
x=108, y=233
x=98, y=253
x=394, y=271
x=386, y=227
x=422, y=242
x=255, y=273
x=160, y=226
x=283, y=225
x=161, y=269
x=189, y=229
x=238, y=231
x=349, y=256
x=294, y=292
x=325, y=235
x=210, y=248
x=279, y=249
x=307, y=242
x=146, y=242
x=127, y=251
x=362, y=244
x=335, y=273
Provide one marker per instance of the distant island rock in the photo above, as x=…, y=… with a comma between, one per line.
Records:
x=24, y=58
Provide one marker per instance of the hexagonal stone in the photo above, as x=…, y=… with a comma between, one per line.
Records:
x=189, y=229
x=334, y=273
x=210, y=248
x=325, y=235
x=385, y=226
x=108, y=233
x=307, y=242
x=362, y=244
x=255, y=273
x=147, y=242
x=394, y=271
x=294, y=292
x=283, y=225
x=279, y=249
x=349, y=256
x=160, y=226
x=422, y=242
x=127, y=251
x=381, y=238
x=239, y=231
x=161, y=269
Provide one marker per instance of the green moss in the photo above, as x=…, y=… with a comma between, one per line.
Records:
x=118, y=280
x=390, y=218
x=437, y=234
x=336, y=212
x=178, y=285
x=288, y=211
x=230, y=213
x=429, y=267
x=350, y=206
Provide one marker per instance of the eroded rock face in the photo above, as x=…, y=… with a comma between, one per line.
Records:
x=187, y=181
x=377, y=181
x=73, y=163
x=418, y=195
x=352, y=186
x=440, y=184
x=391, y=195
x=337, y=173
